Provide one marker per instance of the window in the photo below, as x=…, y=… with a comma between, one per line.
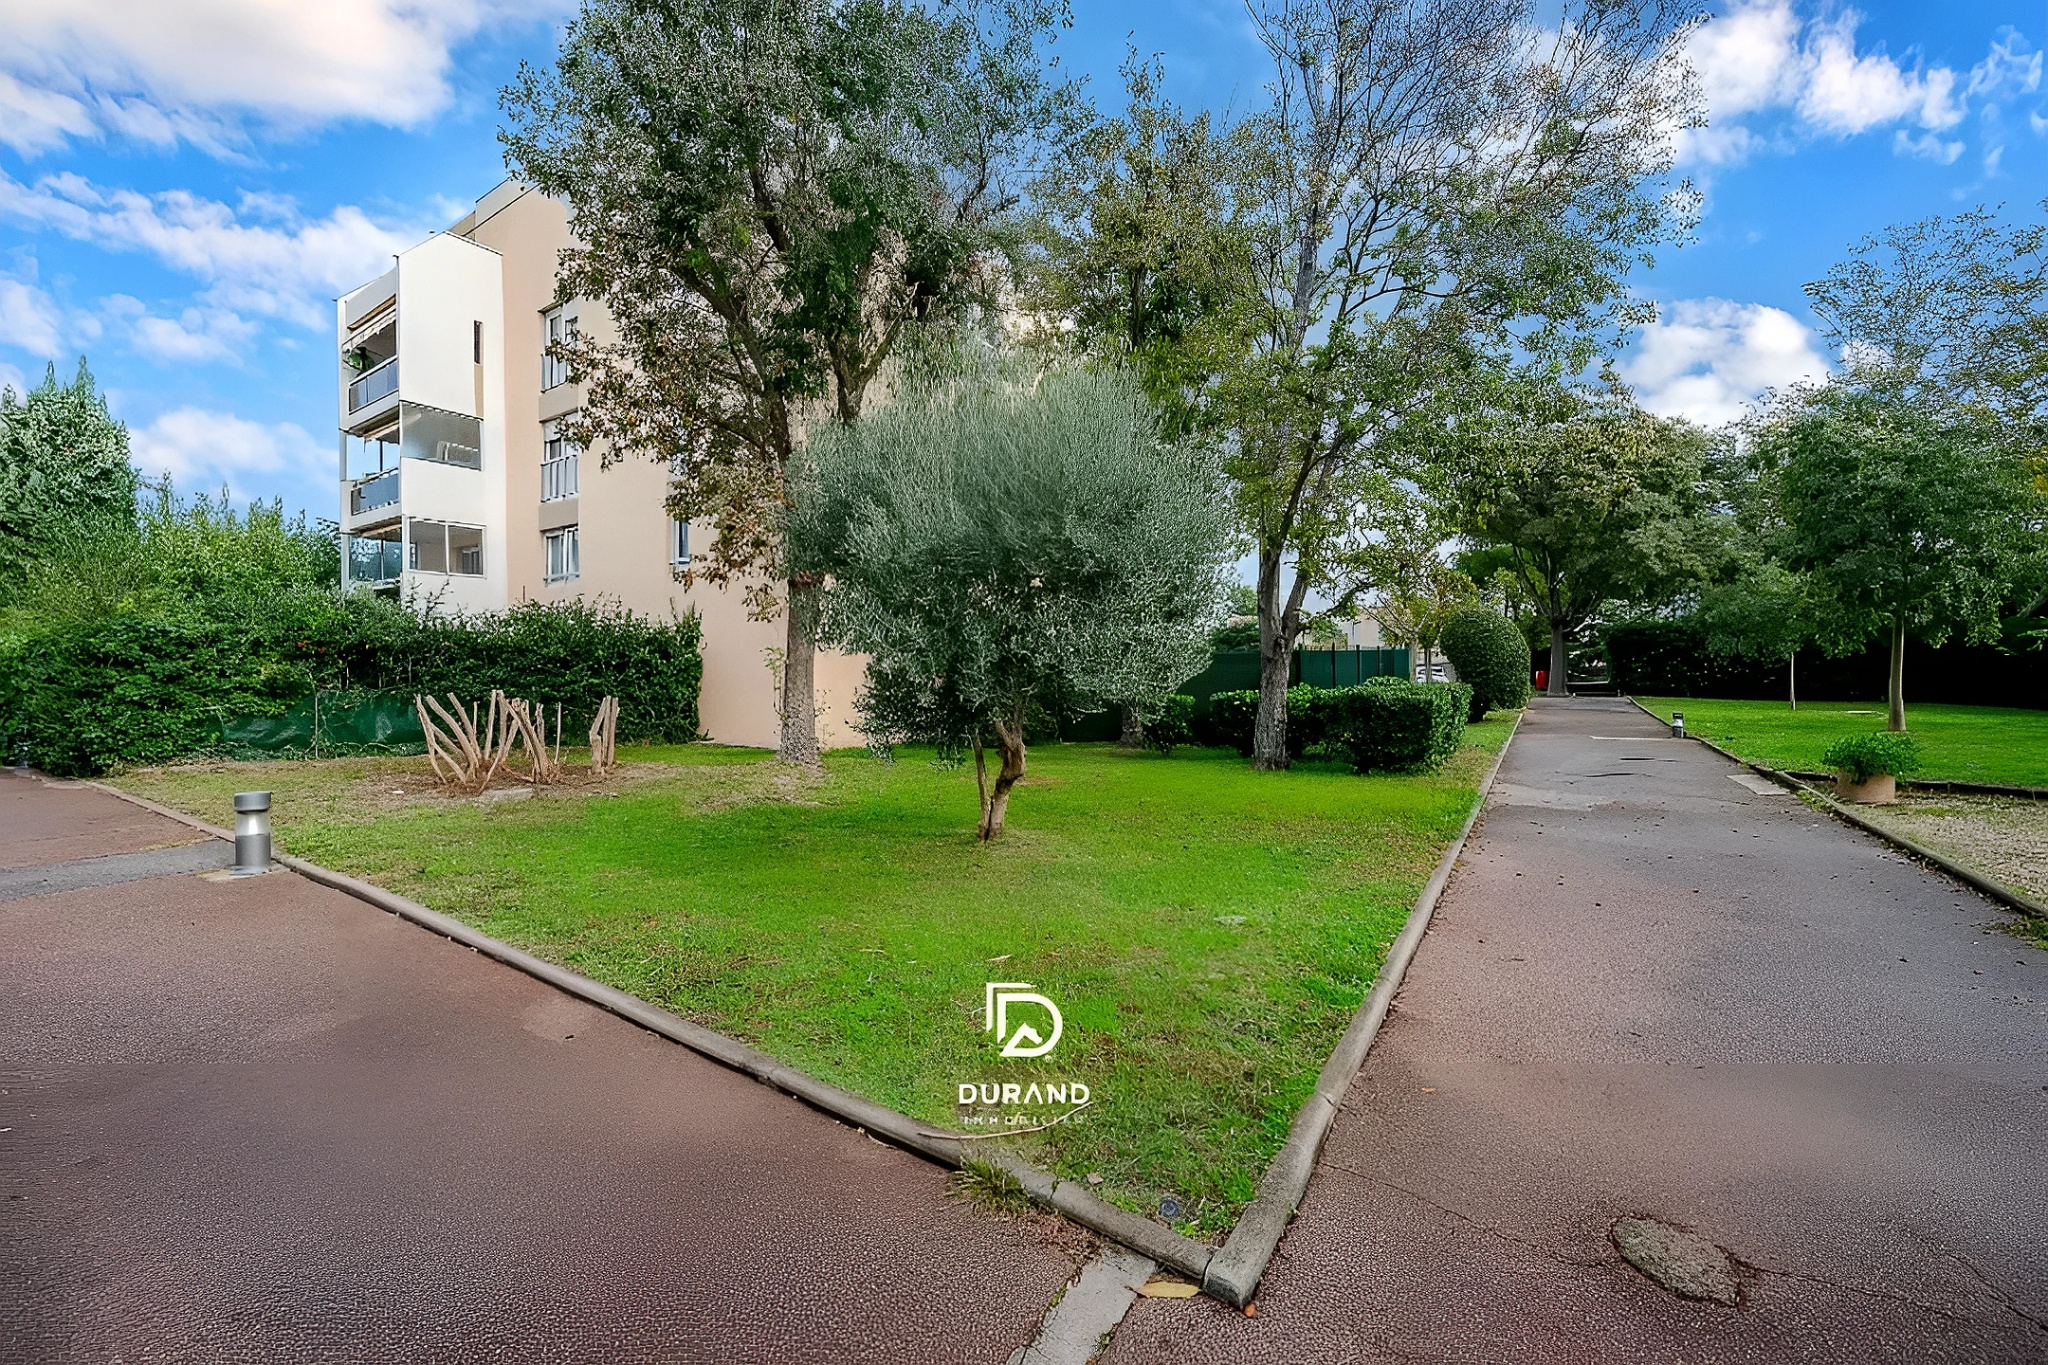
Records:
x=476, y=343
x=678, y=542
x=558, y=458
x=445, y=547
x=560, y=330
x=565, y=558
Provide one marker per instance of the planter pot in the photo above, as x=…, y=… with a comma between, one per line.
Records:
x=1880, y=790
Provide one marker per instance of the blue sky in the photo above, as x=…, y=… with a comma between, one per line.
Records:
x=184, y=188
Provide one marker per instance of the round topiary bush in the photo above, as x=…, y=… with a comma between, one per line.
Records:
x=1492, y=656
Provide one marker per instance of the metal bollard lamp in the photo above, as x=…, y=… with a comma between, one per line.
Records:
x=1678, y=725
x=252, y=834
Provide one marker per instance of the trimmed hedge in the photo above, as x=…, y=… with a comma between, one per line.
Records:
x=136, y=690
x=1492, y=657
x=1385, y=725
x=1395, y=726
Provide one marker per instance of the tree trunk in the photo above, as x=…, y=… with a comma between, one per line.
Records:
x=995, y=804
x=1428, y=664
x=1792, y=680
x=1558, y=662
x=1133, y=736
x=1269, y=728
x=799, y=673
x=1895, y=719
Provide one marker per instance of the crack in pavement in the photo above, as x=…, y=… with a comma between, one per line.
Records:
x=1503, y=1234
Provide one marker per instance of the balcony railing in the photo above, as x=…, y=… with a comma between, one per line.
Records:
x=374, y=385
x=558, y=479
x=375, y=561
x=379, y=490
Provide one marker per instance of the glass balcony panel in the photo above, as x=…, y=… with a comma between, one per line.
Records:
x=373, y=560
x=372, y=493
x=374, y=385
x=429, y=546
x=440, y=437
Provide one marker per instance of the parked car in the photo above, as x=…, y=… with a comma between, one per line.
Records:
x=1436, y=673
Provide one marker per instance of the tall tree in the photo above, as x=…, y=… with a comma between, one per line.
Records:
x=64, y=471
x=768, y=195
x=1590, y=499
x=1435, y=182
x=1914, y=522
x=994, y=544
x=1952, y=311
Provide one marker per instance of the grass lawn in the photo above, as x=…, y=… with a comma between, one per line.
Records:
x=1207, y=930
x=1959, y=743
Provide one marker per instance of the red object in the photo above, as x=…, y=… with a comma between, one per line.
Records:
x=1542, y=678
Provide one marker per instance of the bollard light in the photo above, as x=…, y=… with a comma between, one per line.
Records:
x=252, y=834
x=1678, y=725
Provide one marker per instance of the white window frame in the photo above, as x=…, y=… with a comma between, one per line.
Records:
x=413, y=526
x=678, y=542
x=559, y=459
x=556, y=324
x=561, y=555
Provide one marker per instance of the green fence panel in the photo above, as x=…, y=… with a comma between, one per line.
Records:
x=1237, y=670
x=330, y=723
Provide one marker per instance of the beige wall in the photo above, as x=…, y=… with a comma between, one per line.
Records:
x=623, y=526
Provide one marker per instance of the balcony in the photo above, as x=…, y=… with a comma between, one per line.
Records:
x=558, y=479
x=379, y=490
x=377, y=383
x=375, y=560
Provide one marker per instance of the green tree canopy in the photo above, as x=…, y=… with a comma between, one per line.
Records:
x=64, y=471
x=1914, y=522
x=1590, y=498
x=995, y=543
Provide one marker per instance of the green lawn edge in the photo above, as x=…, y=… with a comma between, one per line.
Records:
x=847, y=926
x=1989, y=744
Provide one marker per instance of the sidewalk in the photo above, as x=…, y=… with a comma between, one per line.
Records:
x=1652, y=991
x=260, y=1120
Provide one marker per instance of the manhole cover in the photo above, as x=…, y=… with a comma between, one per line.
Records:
x=1683, y=1262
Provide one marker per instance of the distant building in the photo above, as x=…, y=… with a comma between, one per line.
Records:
x=456, y=484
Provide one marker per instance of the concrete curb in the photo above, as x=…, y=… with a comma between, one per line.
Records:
x=1231, y=1273
x=1234, y=1272
x=1998, y=891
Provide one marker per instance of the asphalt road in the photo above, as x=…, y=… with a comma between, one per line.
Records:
x=262, y=1121
x=1653, y=992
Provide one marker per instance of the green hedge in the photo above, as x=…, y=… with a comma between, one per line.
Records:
x=1386, y=725
x=1492, y=657
x=135, y=690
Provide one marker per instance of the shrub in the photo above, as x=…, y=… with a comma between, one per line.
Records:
x=1173, y=724
x=1391, y=725
x=1492, y=658
x=142, y=689
x=1863, y=757
x=1231, y=716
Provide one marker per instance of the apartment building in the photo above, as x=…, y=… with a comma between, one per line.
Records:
x=458, y=488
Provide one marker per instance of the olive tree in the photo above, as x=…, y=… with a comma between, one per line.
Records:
x=1000, y=541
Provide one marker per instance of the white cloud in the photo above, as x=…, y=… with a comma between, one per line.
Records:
x=32, y=321
x=1927, y=145
x=11, y=378
x=1761, y=56
x=265, y=258
x=2007, y=69
x=1708, y=359
x=206, y=450
x=198, y=69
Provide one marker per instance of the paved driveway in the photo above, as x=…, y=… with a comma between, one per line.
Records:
x=1652, y=991
x=263, y=1121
